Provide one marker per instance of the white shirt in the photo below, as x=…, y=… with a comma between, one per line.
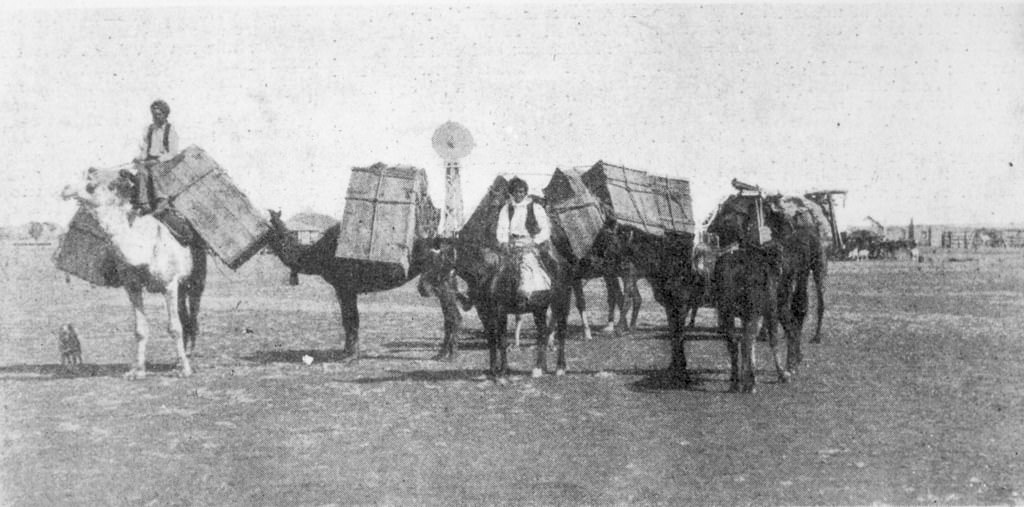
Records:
x=156, y=147
x=517, y=225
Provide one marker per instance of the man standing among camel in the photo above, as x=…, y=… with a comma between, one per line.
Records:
x=159, y=144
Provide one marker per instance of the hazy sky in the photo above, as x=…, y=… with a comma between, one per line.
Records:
x=917, y=110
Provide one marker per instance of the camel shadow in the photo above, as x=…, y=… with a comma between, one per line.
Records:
x=697, y=333
x=322, y=356
x=481, y=375
x=706, y=380
x=43, y=372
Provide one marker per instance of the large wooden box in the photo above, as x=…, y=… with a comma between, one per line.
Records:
x=627, y=194
x=386, y=209
x=574, y=209
x=222, y=215
x=675, y=207
x=87, y=252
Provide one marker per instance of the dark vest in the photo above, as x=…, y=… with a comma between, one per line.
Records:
x=531, y=219
x=149, y=137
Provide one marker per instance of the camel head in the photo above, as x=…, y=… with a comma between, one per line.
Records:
x=437, y=264
x=102, y=187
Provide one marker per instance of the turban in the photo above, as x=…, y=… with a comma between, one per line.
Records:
x=515, y=183
x=161, y=105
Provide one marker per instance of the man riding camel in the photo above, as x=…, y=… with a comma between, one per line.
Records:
x=524, y=233
x=521, y=223
x=159, y=144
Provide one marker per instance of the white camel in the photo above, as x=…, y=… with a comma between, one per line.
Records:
x=149, y=258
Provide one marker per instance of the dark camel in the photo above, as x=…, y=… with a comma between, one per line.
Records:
x=348, y=277
x=492, y=278
x=802, y=249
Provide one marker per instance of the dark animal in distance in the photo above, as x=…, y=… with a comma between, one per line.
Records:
x=69, y=347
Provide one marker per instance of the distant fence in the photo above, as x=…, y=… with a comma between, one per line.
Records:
x=965, y=238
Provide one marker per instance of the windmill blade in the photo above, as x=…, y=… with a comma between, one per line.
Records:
x=452, y=141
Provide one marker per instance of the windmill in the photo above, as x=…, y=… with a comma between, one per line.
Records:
x=452, y=142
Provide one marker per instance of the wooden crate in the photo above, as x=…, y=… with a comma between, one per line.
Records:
x=627, y=194
x=87, y=252
x=675, y=207
x=203, y=193
x=574, y=209
x=386, y=209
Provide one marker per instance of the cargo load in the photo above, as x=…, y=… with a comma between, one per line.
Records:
x=218, y=211
x=480, y=229
x=386, y=209
x=572, y=207
x=627, y=194
x=675, y=207
x=87, y=252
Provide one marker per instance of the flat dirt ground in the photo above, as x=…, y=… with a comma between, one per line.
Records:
x=916, y=396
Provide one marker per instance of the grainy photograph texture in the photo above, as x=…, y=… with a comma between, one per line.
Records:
x=506, y=254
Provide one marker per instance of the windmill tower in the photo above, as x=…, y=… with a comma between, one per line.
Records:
x=452, y=142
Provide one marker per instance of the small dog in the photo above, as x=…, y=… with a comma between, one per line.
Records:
x=70, y=349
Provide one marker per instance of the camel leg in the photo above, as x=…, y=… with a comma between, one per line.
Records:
x=773, y=343
x=560, y=317
x=789, y=326
x=540, y=322
x=633, y=293
x=725, y=322
x=491, y=331
x=613, y=296
x=452, y=323
x=348, y=301
x=448, y=297
x=174, y=329
x=138, y=370
x=795, y=334
x=518, y=330
x=581, y=306
x=678, y=366
x=191, y=294
x=751, y=329
x=819, y=289
x=501, y=339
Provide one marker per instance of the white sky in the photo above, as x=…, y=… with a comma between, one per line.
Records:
x=916, y=110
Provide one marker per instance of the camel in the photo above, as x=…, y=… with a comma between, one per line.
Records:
x=802, y=244
x=744, y=286
x=348, y=277
x=493, y=281
x=148, y=257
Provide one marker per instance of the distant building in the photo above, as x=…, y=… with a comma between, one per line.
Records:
x=309, y=227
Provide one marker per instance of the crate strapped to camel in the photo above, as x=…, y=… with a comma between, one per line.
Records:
x=386, y=209
x=627, y=194
x=86, y=251
x=675, y=207
x=200, y=190
x=574, y=208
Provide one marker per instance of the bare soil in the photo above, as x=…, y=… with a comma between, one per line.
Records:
x=916, y=396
